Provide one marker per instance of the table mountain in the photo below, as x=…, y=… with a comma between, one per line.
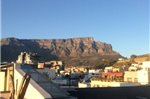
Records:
x=66, y=49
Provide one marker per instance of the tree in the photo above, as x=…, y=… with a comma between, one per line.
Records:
x=133, y=56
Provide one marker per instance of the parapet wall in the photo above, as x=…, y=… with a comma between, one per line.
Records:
x=34, y=91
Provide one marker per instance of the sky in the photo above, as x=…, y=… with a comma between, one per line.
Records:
x=122, y=23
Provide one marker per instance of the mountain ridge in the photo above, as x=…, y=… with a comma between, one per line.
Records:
x=57, y=48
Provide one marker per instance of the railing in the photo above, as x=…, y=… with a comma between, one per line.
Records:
x=9, y=87
x=8, y=84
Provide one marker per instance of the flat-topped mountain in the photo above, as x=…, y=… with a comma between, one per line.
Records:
x=72, y=48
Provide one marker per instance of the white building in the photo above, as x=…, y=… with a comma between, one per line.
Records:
x=26, y=58
x=140, y=76
x=96, y=83
x=146, y=65
x=144, y=74
x=84, y=85
x=143, y=77
x=132, y=68
x=108, y=69
x=92, y=71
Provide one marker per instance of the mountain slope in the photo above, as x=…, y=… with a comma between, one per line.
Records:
x=65, y=49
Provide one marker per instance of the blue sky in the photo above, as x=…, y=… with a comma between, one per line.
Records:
x=122, y=23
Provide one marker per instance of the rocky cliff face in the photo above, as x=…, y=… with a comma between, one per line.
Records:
x=56, y=48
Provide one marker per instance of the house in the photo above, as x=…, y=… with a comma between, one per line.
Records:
x=131, y=76
x=27, y=58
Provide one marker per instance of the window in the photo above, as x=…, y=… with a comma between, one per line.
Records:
x=135, y=80
x=129, y=79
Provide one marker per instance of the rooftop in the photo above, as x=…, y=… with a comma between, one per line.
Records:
x=54, y=90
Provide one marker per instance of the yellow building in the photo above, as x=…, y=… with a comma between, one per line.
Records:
x=131, y=76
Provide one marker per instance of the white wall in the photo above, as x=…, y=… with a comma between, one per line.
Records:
x=144, y=77
x=111, y=84
x=84, y=85
x=146, y=63
x=34, y=91
x=2, y=81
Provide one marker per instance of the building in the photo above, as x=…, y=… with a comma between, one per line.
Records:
x=140, y=76
x=96, y=83
x=146, y=65
x=131, y=76
x=55, y=65
x=27, y=58
x=108, y=69
x=144, y=74
x=138, y=73
x=40, y=65
x=39, y=87
x=143, y=77
x=84, y=85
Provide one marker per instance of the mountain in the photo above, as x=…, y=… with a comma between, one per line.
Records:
x=134, y=59
x=142, y=58
x=77, y=51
